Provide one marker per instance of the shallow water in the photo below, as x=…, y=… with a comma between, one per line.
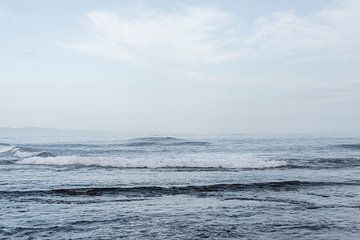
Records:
x=188, y=187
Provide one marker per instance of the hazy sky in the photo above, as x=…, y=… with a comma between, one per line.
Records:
x=240, y=66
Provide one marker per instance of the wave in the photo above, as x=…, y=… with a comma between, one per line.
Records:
x=342, y=162
x=350, y=146
x=157, y=139
x=176, y=190
x=23, y=152
x=167, y=141
x=190, y=143
x=187, y=161
x=322, y=163
x=4, y=148
x=139, y=144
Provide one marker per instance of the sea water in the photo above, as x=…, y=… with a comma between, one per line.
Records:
x=180, y=187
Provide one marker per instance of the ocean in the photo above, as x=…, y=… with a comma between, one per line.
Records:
x=180, y=187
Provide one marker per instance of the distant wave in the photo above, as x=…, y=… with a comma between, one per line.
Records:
x=322, y=163
x=349, y=146
x=187, y=161
x=23, y=152
x=138, y=144
x=157, y=139
x=167, y=141
x=342, y=162
x=175, y=190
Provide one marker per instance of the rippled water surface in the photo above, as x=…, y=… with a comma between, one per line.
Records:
x=188, y=187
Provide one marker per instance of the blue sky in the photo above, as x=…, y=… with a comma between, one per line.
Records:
x=181, y=66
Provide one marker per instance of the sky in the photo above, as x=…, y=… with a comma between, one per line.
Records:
x=202, y=67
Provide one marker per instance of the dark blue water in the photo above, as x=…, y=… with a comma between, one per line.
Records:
x=188, y=187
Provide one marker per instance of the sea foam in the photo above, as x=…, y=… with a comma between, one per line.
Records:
x=6, y=148
x=188, y=161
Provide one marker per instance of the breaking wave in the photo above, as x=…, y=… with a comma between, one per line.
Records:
x=19, y=152
x=4, y=148
x=191, y=161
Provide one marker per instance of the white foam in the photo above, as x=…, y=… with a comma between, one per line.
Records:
x=23, y=154
x=6, y=148
x=190, y=161
x=17, y=151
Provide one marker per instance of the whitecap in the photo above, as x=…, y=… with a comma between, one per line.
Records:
x=231, y=161
x=6, y=148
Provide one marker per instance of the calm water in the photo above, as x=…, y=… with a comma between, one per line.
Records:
x=248, y=187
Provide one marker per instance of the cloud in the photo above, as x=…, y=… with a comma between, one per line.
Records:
x=188, y=35
x=317, y=52
x=197, y=35
x=330, y=33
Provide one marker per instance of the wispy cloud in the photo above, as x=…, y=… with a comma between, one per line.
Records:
x=330, y=33
x=199, y=34
x=187, y=35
